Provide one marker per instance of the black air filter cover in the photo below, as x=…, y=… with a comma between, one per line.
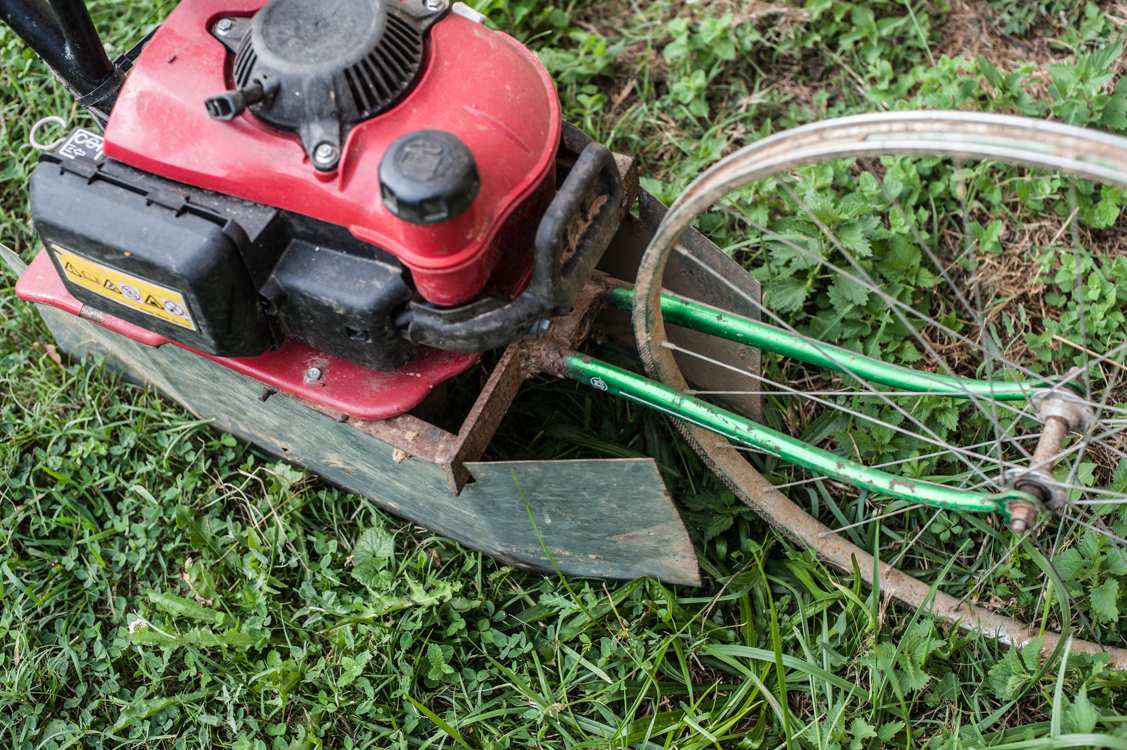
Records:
x=325, y=65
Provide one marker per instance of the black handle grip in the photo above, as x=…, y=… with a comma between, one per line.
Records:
x=63, y=35
x=577, y=227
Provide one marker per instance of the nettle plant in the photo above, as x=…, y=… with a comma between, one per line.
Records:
x=1019, y=18
x=846, y=217
x=697, y=53
x=1079, y=90
x=879, y=225
x=1089, y=293
x=883, y=222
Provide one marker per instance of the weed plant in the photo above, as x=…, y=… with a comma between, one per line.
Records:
x=164, y=586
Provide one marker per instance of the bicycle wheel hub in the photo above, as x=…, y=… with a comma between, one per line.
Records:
x=1061, y=413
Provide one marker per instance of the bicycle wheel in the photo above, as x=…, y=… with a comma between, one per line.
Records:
x=968, y=246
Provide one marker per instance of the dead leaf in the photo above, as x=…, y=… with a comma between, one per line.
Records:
x=50, y=351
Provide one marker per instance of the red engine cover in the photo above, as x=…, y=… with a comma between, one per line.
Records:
x=481, y=85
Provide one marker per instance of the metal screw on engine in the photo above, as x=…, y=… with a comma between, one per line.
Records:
x=542, y=328
x=434, y=4
x=224, y=25
x=312, y=375
x=325, y=153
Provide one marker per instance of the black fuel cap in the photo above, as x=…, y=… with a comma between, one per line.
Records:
x=428, y=176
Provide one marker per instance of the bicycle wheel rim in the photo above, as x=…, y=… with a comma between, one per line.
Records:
x=963, y=136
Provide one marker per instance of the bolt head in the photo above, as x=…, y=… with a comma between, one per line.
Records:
x=325, y=153
x=312, y=375
x=542, y=328
x=224, y=25
x=434, y=4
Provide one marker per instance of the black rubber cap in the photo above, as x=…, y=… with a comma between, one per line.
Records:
x=428, y=176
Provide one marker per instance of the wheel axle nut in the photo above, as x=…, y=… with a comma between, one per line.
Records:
x=1022, y=516
x=1076, y=415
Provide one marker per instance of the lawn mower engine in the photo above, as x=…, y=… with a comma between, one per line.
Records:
x=374, y=184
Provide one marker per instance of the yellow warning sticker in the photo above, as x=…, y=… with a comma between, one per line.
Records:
x=125, y=289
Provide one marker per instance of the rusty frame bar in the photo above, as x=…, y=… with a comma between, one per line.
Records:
x=415, y=437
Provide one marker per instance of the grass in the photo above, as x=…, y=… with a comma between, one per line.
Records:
x=145, y=603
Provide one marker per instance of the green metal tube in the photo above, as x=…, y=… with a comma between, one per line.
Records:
x=607, y=377
x=688, y=314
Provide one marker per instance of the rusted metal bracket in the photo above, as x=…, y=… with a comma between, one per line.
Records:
x=522, y=360
x=423, y=441
x=532, y=355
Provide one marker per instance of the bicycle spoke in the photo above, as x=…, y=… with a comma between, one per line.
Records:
x=872, y=285
x=1080, y=293
x=872, y=251
x=870, y=519
x=915, y=539
x=1087, y=439
x=1060, y=583
x=884, y=465
x=934, y=439
x=1099, y=528
x=1053, y=551
x=1013, y=548
x=901, y=307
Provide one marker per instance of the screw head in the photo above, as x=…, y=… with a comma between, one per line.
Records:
x=325, y=154
x=312, y=375
x=224, y=25
x=542, y=327
x=434, y=4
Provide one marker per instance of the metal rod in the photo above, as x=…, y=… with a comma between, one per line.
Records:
x=688, y=314
x=34, y=23
x=64, y=37
x=1045, y=455
x=606, y=377
x=89, y=60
